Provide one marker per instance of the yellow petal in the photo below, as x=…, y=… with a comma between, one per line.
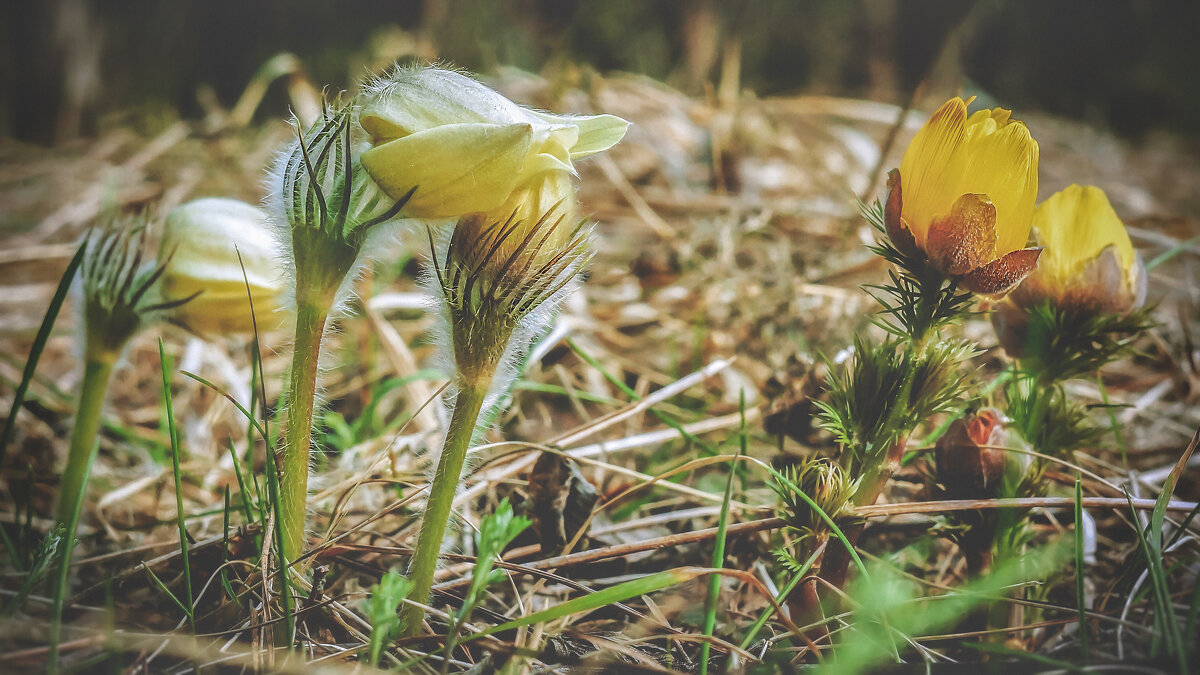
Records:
x=1001, y=161
x=222, y=306
x=1076, y=225
x=596, y=133
x=200, y=249
x=930, y=169
x=456, y=168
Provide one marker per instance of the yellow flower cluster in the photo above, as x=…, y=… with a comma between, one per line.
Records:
x=964, y=198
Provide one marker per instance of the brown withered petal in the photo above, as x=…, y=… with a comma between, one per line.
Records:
x=964, y=239
x=1004, y=274
x=898, y=231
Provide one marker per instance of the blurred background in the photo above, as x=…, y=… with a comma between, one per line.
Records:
x=72, y=67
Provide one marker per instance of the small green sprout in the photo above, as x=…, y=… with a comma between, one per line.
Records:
x=381, y=608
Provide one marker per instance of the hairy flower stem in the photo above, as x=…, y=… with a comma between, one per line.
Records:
x=467, y=406
x=96, y=374
x=311, y=317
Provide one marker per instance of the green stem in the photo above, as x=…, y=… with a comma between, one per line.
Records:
x=302, y=389
x=96, y=374
x=441, y=497
x=83, y=437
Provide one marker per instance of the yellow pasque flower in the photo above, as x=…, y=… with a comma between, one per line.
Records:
x=200, y=245
x=964, y=196
x=1089, y=261
x=465, y=147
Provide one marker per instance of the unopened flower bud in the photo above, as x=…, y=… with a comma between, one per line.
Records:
x=323, y=186
x=218, y=250
x=115, y=281
x=327, y=204
x=822, y=481
x=494, y=275
x=970, y=456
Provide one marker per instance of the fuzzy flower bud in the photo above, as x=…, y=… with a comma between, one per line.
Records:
x=328, y=203
x=822, y=481
x=115, y=283
x=494, y=275
x=964, y=196
x=469, y=147
x=207, y=243
x=323, y=186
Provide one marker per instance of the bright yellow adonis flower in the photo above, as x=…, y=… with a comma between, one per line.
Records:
x=200, y=251
x=964, y=195
x=465, y=147
x=1089, y=261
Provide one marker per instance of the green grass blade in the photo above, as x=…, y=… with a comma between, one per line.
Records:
x=718, y=556
x=225, y=550
x=619, y=593
x=1112, y=420
x=1172, y=252
x=241, y=479
x=179, y=516
x=166, y=591
x=779, y=599
x=543, y=388
x=1150, y=544
x=1080, y=571
x=249, y=416
x=35, y=351
x=586, y=603
x=993, y=648
x=1190, y=627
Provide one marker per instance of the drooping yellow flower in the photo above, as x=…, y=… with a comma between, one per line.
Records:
x=467, y=148
x=964, y=195
x=1089, y=261
x=200, y=246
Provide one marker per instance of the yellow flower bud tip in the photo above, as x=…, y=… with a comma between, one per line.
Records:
x=115, y=284
x=466, y=145
x=1089, y=260
x=964, y=195
x=322, y=185
x=219, y=250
